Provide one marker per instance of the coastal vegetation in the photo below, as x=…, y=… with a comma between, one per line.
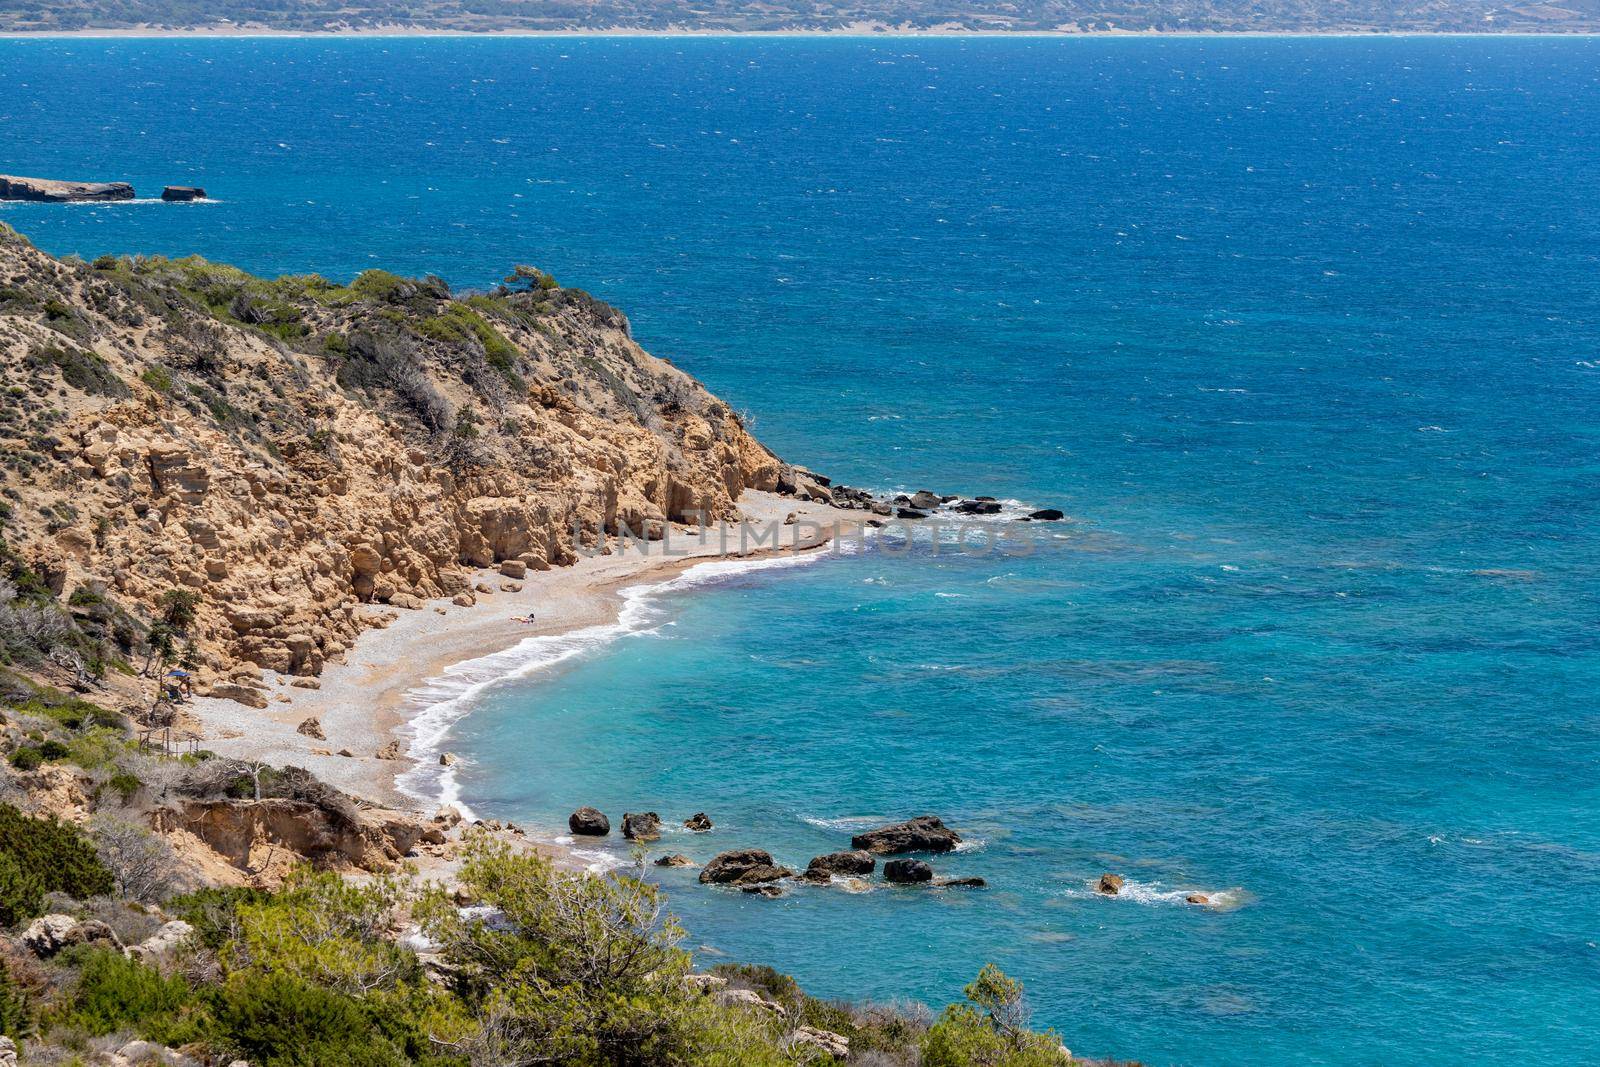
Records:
x=1070, y=16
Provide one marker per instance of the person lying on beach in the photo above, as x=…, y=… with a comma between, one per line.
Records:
x=528, y=618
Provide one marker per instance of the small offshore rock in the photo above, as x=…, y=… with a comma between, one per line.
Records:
x=448, y=759
x=1047, y=515
x=181, y=194
x=677, y=859
x=925, y=833
x=858, y=861
x=699, y=822
x=979, y=506
x=961, y=883
x=907, y=871
x=742, y=866
x=1197, y=898
x=923, y=500
x=1109, y=884
x=641, y=825
x=589, y=822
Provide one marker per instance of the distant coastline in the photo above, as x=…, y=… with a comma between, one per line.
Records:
x=857, y=32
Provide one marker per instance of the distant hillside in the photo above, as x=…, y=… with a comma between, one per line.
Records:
x=1069, y=16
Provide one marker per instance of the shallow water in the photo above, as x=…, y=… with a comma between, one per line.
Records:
x=1301, y=333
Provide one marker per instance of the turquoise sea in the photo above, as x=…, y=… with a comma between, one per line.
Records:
x=1303, y=334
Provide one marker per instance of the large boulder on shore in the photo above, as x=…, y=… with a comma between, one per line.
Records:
x=907, y=871
x=925, y=833
x=742, y=866
x=857, y=862
x=589, y=822
x=50, y=191
x=641, y=825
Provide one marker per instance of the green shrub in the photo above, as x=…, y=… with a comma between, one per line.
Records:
x=990, y=1029
x=117, y=993
x=278, y=1020
x=157, y=377
x=58, y=853
x=53, y=751
x=27, y=758
x=21, y=892
x=214, y=911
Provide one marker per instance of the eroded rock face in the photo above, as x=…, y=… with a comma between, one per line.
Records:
x=925, y=833
x=589, y=822
x=246, y=832
x=743, y=866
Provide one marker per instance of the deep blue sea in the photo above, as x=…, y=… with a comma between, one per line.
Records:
x=1303, y=334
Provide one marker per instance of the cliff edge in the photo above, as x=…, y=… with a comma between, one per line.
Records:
x=270, y=454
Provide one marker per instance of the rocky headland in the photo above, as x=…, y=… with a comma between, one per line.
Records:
x=51, y=191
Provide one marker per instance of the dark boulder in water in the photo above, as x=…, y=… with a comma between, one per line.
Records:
x=589, y=822
x=181, y=194
x=1109, y=884
x=925, y=833
x=857, y=862
x=641, y=825
x=699, y=822
x=907, y=871
x=743, y=866
x=979, y=506
x=1047, y=515
x=910, y=513
x=961, y=883
x=925, y=501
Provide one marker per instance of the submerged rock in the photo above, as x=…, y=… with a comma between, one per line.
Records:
x=1046, y=515
x=743, y=866
x=960, y=883
x=641, y=825
x=677, y=859
x=907, y=871
x=699, y=822
x=589, y=822
x=1197, y=898
x=1109, y=884
x=765, y=889
x=925, y=833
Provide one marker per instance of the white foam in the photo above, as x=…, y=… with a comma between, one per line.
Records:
x=847, y=822
x=444, y=700
x=1155, y=895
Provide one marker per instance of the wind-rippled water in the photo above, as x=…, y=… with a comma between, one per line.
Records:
x=1302, y=333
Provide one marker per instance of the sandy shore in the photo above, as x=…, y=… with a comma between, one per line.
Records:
x=362, y=703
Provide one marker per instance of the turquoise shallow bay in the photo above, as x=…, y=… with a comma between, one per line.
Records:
x=1302, y=332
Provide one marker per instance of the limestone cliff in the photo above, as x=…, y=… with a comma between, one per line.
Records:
x=288, y=449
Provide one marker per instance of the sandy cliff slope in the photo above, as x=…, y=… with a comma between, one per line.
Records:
x=287, y=450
